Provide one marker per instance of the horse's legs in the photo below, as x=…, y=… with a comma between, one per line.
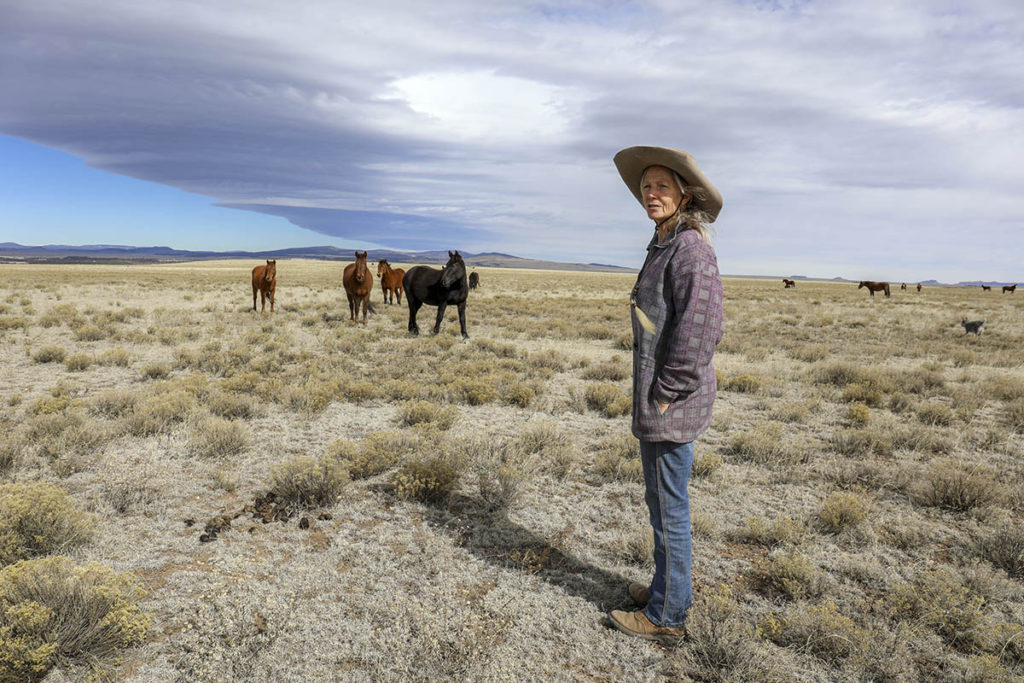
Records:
x=254, y=298
x=366, y=302
x=272, y=289
x=398, y=294
x=351, y=307
x=440, y=316
x=263, y=302
x=462, y=319
x=414, y=306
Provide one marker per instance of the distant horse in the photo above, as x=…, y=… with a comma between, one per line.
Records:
x=788, y=283
x=972, y=326
x=1011, y=290
x=264, y=281
x=390, y=281
x=474, y=280
x=358, y=282
x=425, y=285
x=986, y=288
x=903, y=286
x=875, y=287
x=919, y=286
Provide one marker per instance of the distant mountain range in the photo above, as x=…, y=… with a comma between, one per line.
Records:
x=114, y=253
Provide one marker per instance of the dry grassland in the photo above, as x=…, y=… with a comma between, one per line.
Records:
x=381, y=507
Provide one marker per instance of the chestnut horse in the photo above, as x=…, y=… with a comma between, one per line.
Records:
x=788, y=283
x=358, y=282
x=264, y=281
x=875, y=287
x=919, y=286
x=425, y=285
x=1011, y=290
x=390, y=281
x=986, y=288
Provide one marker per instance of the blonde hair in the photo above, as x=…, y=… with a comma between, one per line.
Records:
x=694, y=218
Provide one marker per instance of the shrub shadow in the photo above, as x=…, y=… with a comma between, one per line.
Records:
x=492, y=537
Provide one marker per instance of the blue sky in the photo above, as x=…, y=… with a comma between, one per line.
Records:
x=877, y=139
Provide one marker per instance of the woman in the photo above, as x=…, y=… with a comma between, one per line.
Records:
x=677, y=322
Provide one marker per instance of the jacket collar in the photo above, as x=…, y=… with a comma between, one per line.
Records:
x=669, y=239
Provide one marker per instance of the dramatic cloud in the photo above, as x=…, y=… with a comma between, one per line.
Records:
x=874, y=138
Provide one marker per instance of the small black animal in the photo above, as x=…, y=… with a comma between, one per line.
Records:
x=972, y=325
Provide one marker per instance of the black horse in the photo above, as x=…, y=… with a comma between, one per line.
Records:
x=425, y=285
x=474, y=280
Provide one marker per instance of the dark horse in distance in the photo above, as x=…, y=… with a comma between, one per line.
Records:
x=264, y=281
x=875, y=287
x=474, y=280
x=358, y=282
x=425, y=285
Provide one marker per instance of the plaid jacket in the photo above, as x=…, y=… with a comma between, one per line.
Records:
x=680, y=291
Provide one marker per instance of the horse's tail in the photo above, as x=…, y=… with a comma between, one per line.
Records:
x=370, y=308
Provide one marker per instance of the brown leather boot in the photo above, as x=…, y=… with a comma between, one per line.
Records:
x=638, y=592
x=637, y=624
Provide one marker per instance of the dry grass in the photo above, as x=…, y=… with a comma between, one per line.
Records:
x=471, y=494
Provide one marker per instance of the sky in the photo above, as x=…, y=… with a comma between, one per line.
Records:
x=870, y=139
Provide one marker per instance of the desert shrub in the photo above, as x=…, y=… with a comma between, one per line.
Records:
x=58, y=434
x=78, y=362
x=722, y=645
x=519, y=394
x=550, y=359
x=50, y=405
x=10, y=448
x=231, y=406
x=118, y=357
x=899, y=402
x=859, y=413
x=243, y=383
x=745, y=384
x=608, y=399
x=49, y=354
x=820, y=630
x=378, y=452
x=935, y=414
x=779, y=531
x=810, y=353
x=218, y=437
x=763, y=444
x=1013, y=415
x=792, y=412
x=842, y=374
x=155, y=371
x=1004, y=547
x=863, y=393
x=867, y=475
x=429, y=479
x=624, y=341
x=940, y=601
x=53, y=611
x=792, y=575
x=1005, y=387
x=413, y=413
x=360, y=391
x=158, y=412
x=474, y=392
x=618, y=459
x=90, y=333
x=308, y=483
x=923, y=438
x=862, y=441
x=842, y=510
x=554, y=447
x=706, y=465
x=613, y=370
x=500, y=466
x=38, y=519
x=957, y=486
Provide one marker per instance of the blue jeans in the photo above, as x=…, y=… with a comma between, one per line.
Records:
x=666, y=477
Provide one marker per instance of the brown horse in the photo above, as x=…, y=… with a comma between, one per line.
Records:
x=875, y=287
x=264, y=281
x=919, y=286
x=788, y=283
x=1011, y=290
x=986, y=288
x=358, y=282
x=474, y=280
x=390, y=281
x=903, y=286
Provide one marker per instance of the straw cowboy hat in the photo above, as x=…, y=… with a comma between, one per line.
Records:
x=633, y=161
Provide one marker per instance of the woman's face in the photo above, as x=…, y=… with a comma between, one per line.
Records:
x=660, y=192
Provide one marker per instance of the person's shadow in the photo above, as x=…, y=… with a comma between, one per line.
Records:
x=492, y=537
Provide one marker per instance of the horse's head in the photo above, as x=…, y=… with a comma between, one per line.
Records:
x=382, y=266
x=862, y=284
x=270, y=272
x=361, y=270
x=454, y=270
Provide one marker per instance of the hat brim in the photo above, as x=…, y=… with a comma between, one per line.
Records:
x=633, y=161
